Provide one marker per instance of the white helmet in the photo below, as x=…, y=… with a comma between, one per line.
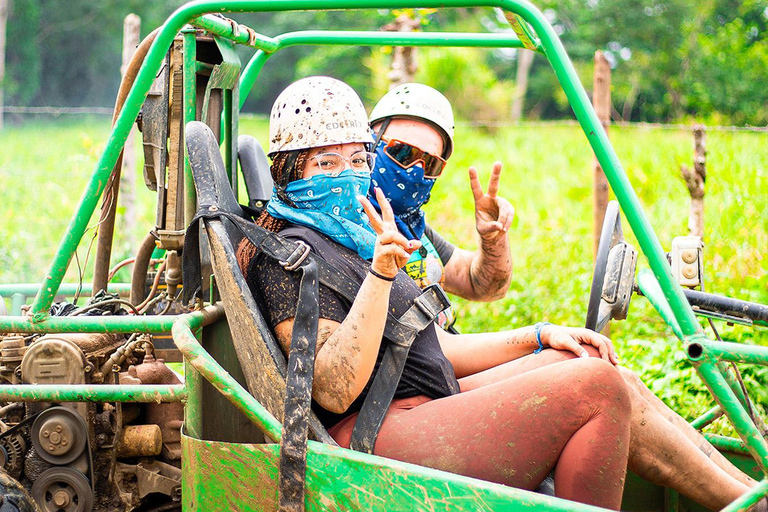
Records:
x=314, y=112
x=421, y=102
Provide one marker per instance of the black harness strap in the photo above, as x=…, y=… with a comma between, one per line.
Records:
x=298, y=393
x=424, y=310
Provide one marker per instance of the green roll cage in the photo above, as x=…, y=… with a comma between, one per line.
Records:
x=534, y=33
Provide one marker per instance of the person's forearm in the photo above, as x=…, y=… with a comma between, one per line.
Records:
x=473, y=353
x=490, y=271
x=346, y=360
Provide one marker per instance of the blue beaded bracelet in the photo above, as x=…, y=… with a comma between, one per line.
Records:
x=537, y=329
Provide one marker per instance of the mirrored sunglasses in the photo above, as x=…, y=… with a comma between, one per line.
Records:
x=406, y=155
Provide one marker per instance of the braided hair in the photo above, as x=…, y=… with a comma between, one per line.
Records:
x=286, y=167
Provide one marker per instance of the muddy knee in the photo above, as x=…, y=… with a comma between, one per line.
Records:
x=600, y=380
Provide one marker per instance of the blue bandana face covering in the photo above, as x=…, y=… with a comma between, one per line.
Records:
x=329, y=204
x=406, y=189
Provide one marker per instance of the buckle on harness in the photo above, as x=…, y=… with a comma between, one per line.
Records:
x=432, y=301
x=297, y=257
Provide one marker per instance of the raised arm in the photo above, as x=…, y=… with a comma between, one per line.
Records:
x=485, y=274
x=347, y=351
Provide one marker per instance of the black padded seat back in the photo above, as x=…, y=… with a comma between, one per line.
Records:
x=260, y=356
x=256, y=172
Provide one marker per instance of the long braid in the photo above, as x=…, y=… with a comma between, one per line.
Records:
x=282, y=174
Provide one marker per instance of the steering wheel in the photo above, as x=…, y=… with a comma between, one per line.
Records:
x=614, y=273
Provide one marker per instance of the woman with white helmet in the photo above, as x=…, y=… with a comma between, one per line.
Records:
x=447, y=413
x=414, y=129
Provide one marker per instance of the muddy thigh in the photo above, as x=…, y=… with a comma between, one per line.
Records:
x=513, y=431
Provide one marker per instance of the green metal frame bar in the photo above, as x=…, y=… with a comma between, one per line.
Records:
x=202, y=362
x=116, y=324
x=650, y=288
x=749, y=499
x=707, y=418
x=90, y=393
x=367, y=38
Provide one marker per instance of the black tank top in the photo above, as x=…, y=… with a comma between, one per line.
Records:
x=427, y=371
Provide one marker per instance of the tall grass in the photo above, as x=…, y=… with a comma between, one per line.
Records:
x=44, y=166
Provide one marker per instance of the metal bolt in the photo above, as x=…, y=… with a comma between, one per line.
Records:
x=689, y=272
x=64, y=442
x=61, y=498
x=51, y=447
x=46, y=433
x=88, y=369
x=58, y=428
x=689, y=256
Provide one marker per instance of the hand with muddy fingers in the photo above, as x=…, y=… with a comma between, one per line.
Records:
x=572, y=339
x=392, y=249
x=493, y=214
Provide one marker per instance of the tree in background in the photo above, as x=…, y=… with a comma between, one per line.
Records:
x=672, y=59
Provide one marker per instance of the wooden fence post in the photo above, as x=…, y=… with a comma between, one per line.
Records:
x=601, y=99
x=524, y=62
x=694, y=180
x=404, y=63
x=131, y=31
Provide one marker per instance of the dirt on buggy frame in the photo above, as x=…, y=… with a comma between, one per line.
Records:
x=223, y=466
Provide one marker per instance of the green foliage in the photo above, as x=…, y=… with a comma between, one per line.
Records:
x=461, y=75
x=672, y=59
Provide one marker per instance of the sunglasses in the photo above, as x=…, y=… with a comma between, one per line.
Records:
x=406, y=155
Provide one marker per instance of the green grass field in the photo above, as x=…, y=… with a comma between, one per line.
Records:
x=44, y=166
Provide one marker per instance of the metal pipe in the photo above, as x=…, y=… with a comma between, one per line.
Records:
x=729, y=444
x=729, y=351
x=65, y=290
x=207, y=366
x=707, y=418
x=140, y=269
x=757, y=313
x=92, y=393
x=651, y=290
x=17, y=301
x=193, y=410
x=114, y=324
x=367, y=38
x=731, y=406
x=749, y=498
x=250, y=73
x=237, y=32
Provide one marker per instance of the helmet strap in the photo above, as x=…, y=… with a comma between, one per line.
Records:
x=380, y=134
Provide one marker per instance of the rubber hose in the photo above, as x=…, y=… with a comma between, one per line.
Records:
x=108, y=209
x=141, y=268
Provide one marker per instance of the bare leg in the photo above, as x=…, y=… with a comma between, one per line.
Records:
x=691, y=433
x=663, y=455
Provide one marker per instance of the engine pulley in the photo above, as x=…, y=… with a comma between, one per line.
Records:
x=59, y=435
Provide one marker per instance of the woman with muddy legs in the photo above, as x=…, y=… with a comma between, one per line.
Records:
x=413, y=123
x=510, y=429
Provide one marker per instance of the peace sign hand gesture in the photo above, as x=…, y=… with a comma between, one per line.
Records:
x=493, y=214
x=392, y=249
